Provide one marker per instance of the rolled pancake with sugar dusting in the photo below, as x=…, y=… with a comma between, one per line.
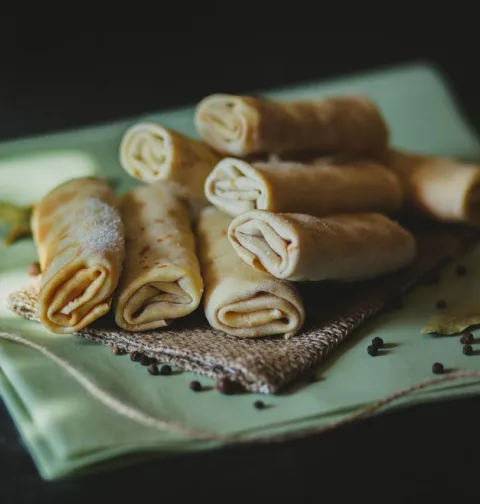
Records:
x=299, y=247
x=439, y=188
x=243, y=125
x=79, y=236
x=240, y=300
x=319, y=188
x=158, y=155
x=161, y=278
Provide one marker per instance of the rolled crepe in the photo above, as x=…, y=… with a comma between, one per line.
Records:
x=161, y=277
x=80, y=242
x=319, y=188
x=241, y=125
x=241, y=300
x=153, y=154
x=439, y=188
x=299, y=247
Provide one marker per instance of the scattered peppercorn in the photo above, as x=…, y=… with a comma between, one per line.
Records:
x=372, y=350
x=165, y=370
x=196, y=386
x=153, y=369
x=377, y=342
x=135, y=356
x=461, y=270
x=34, y=269
x=467, y=349
x=466, y=338
x=259, y=405
x=441, y=304
x=145, y=360
x=118, y=351
x=224, y=386
x=438, y=368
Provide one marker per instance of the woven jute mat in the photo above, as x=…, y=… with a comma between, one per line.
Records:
x=266, y=365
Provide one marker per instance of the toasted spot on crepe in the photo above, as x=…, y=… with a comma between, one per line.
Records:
x=159, y=240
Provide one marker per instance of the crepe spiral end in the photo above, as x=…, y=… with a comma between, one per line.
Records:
x=226, y=123
x=145, y=152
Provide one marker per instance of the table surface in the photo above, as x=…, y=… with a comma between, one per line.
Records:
x=411, y=454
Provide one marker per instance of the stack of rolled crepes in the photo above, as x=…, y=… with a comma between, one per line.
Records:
x=319, y=206
x=138, y=252
x=241, y=300
x=295, y=191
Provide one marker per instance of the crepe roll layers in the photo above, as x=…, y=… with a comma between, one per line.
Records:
x=161, y=279
x=319, y=188
x=240, y=300
x=439, y=188
x=154, y=154
x=80, y=240
x=242, y=126
x=299, y=247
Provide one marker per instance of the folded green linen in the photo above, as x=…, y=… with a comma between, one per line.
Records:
x=69, y=430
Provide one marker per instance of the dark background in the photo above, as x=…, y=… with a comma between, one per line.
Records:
x=53, y=78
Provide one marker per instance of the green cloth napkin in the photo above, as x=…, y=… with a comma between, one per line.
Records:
x=67, y=430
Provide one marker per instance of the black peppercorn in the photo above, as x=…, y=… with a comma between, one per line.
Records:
x=259, y=405
x=225, y=386
x=135, y=356
x=438, y=368
x=377, y=342
x=153, y=369
x=117, y=350
x=461, y=270
x=466, y=338
x=467, y=349
x=441, y=304
x=196, y=386
x=165, y=370
x=145, y=360
x=372, y=350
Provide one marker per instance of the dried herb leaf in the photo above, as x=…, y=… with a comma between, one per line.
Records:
x=454, y=320
x=17, y=219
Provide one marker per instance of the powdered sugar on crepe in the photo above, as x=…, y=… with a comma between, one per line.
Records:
x=98, y=226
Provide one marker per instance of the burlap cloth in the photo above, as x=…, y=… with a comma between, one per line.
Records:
x=266, y=365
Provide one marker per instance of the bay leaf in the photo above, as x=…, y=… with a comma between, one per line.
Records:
x=454, y=319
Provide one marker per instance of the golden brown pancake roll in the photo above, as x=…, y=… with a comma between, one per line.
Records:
x=300, y=247
x=154, y=154
x=240, y=300
x=80, y=242
x=318, y=188
x=241, y=126
x=161, y=278
x=439, y=188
